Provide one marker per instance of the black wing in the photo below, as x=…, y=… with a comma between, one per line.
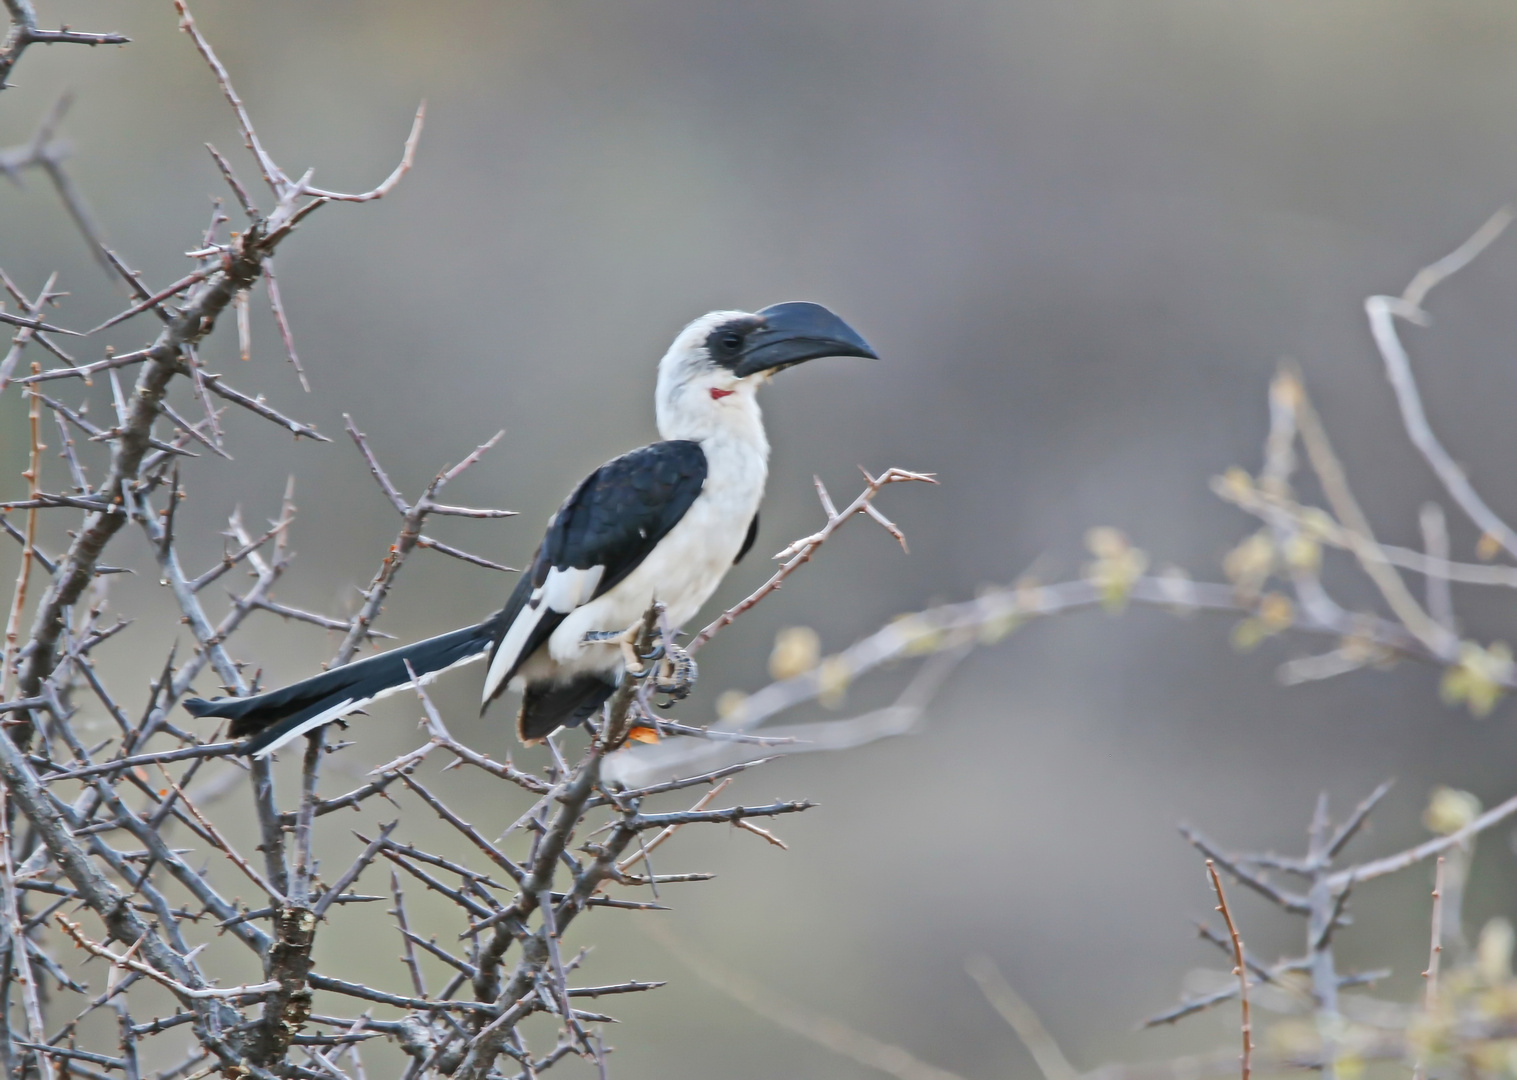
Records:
x=748, y=540
x=604, y=529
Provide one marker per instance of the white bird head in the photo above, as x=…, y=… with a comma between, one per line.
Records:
x=709, y=378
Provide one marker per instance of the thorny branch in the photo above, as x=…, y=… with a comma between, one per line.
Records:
x=168, y=907
x=24, y=31
x=241, y=263
x=1240, y=969
x=46, y=151
x=800, y=552
x=1435, y=952
x=410, y=537
x=90, y=822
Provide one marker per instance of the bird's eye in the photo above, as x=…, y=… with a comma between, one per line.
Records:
x=730, y=341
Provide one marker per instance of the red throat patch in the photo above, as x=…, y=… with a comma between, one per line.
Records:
x=717, y=395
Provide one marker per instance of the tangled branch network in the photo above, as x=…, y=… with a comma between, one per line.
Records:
x=108, y=908
x=126, y=946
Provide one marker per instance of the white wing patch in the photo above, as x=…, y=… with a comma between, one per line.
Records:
x=512, y=644
x=567, y=587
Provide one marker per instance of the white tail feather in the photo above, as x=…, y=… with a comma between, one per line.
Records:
x=351, y=705
x=511, y=645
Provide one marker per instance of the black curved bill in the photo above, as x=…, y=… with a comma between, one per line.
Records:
x=795, y=332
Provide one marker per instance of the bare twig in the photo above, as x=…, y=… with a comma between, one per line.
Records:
x=180, y=990
x=1435, y=951
x=19, y=953
x=153, y=300
x=399, y=912
x=1435, y=540
x=1426, y=850
x=26, y=333
x=647, y=848
x=1021, y=1018
x=458, y=553
x=799, y=553
x=1262, y=503
x=229, y=174
x=214, y=384
x=276, y=304
x=1377, y=567
x=1383, y=312
x=412, y=517
x=28, y=552
x=24, y=31
x=406, y=158
x=46, y=152
x=1240, y=970
x=271, y=172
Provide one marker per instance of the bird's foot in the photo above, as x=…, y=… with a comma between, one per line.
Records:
x=673, y=669
x=628, y=642
x=676, y=673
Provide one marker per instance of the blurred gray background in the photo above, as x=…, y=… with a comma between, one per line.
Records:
x=1081, y=233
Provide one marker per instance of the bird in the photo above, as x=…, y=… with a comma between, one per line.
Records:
x=662, y=523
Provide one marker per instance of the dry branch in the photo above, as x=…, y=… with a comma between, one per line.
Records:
x=1240, y=969
x=800, y=552
x=24, y=31
x=1021, y=1018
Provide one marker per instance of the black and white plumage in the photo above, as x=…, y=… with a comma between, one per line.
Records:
x=663, y=522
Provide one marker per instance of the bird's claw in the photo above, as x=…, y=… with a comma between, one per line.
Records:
x=676, y=675
x=634, y=661
x=668, y=668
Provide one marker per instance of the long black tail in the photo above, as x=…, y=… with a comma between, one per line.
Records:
x=275, y=718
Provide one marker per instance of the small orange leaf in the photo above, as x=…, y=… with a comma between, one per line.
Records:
x=643, y=735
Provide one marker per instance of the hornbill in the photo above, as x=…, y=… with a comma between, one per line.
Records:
x=663, y=523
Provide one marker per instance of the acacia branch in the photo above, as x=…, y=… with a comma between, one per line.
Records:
x=46, y=152
x=30, y=328
x=800, y=552
x=1240, y=969
x=410, y=537
x=28, y=551
x=24, y=31
x=1383, y=311
x=172, y=352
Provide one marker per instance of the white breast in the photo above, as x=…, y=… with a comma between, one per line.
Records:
x=687, y=565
